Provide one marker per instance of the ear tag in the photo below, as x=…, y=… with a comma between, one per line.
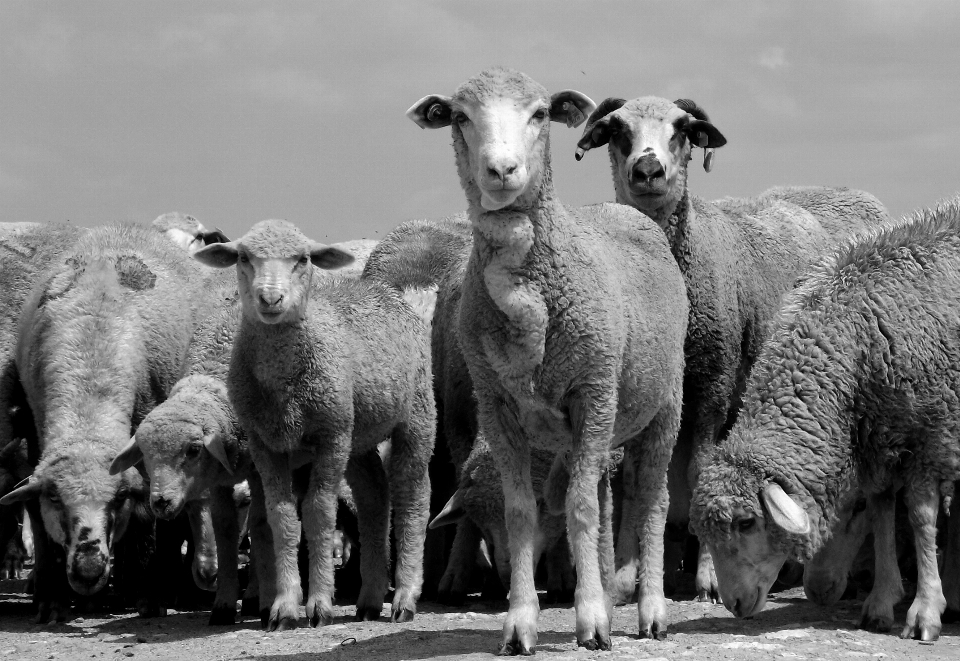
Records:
x=579, y=153
x=702, y=139
x=574, y=116
x=434, y=112
x=708, y=159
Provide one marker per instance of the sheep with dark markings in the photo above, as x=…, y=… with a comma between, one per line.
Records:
x=856, y=388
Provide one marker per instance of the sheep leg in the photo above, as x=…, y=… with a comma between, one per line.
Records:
x=51, y=590
x=226, y=529
x=704, y=437
x=456, y=578
x=319, y=524
x=274, y=469
x=923, y=616
x=627, y=554
x=368, y=481
x=410, y=493
x=561, y=580
x=204, y=564
x=877, y=612
x=261, y=550
x=951, y=566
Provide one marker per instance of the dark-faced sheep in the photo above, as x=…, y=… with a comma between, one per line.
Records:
x=572, y=323
x=738, y=257
x=102, y=338
x=856, y=388
x=186, y=231
x=329, y=372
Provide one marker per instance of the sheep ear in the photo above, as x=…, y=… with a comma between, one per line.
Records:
x=214, y=445
x=329, y=258
x=218, y=255
x=571, y=107
x=209, y=237
x=596, y=133
x=129, y=456
x=704, y=134
x=784, y=511
x=25, y=490
x=452, y=512
x=431, y=112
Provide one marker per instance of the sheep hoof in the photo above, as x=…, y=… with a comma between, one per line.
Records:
x=367, y=614
x=515, y=649
x=402, y=615
x=264, y=618
x=319, y=619
x=598, y=642
x=250, y=606
x=654, y=631
x=150, y=608
x=282, y=624
x=875, y=623
x=222, y=616
x=922, y=632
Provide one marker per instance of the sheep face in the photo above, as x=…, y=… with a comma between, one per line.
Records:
x=187, y=232
x=650, y=142
x=501, y=132
x=274, y=263
x=825, y=576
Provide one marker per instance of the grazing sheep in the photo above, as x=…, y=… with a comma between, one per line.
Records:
x=186, y=231
x=572, y=324
x=738, y=258
x=856, y=388
x=325, y=373
x=192, y=445
x=102, y=338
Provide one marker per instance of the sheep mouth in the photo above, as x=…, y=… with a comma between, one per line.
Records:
x=270, y=316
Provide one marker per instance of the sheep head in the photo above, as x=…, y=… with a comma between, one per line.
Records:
x=275, y=264
x=749, y=524
x=186, y=231
x=184, y=444
x=501, y=130
x=84, y=509
x=650, y=142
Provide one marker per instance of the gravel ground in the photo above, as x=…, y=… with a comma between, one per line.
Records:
x=790, y=628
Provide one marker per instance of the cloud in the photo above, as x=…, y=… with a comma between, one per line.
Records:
x=773, y=58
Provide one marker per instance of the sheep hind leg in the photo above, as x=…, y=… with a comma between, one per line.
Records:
x=877, y=612
x=923, y=616
x=455, y=582
x=951, y=566
x=627, y=559
x=227, y=534
x=368, y=482
x=410, y=493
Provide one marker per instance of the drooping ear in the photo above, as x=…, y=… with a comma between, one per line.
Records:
x=329, y=258
x=25, y=490
x=209, y=237
x=785, y=512
x=218, y=255
x=214, y=444
x=596, y=133
x=571, y=107
x=128, y=457
x=431, y=112
x=451, y=513
x=704, y=134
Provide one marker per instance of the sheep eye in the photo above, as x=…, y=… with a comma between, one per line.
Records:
x=746, y=525
x=54, y=498
x=540, y=115
x=303, y=260
x=860, y=505
x=461, y=119
x=244, y=258
x=193, y=450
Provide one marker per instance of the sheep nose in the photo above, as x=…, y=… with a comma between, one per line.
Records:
x=647, y=168
x=161, y=506
x=270, y=298
x=502, y=168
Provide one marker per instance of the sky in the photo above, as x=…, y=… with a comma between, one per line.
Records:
x=239, y=111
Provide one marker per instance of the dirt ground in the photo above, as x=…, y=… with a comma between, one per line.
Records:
x=789, y=628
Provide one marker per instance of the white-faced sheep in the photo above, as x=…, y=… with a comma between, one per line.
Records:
x=738, y=258
x=192, y=445
x=329, y=372
x=855, y=388
x=572, y=323
x=186, y=231
x=102, y=338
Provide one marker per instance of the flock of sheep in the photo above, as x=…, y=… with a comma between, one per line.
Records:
x=769, y=372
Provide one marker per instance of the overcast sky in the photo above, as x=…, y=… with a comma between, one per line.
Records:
x=239, y=111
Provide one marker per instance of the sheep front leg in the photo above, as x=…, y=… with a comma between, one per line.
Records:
x=368, y=481
x=281, y=506
x=951, y=566
x=51, y=592
x=923, y=617
x=463, y=558
x=410, y=493
x=226, y=530
x=261, y=551
x=877, y=612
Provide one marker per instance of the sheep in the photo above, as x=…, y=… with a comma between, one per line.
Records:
x=564, y=351
x=192, y=444
x=326, y=373
x=101, y=339
x=738, y=258
x=186, y=231
x=854, y=389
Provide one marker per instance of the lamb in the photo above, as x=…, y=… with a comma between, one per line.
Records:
x=101, y=339
x=565, y=353
x=326, y=373
x=193, y=444
x=738, y=258
x=855, y=389
x=186, y=231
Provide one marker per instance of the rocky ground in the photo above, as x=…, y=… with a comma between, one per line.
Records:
x=790, y=628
